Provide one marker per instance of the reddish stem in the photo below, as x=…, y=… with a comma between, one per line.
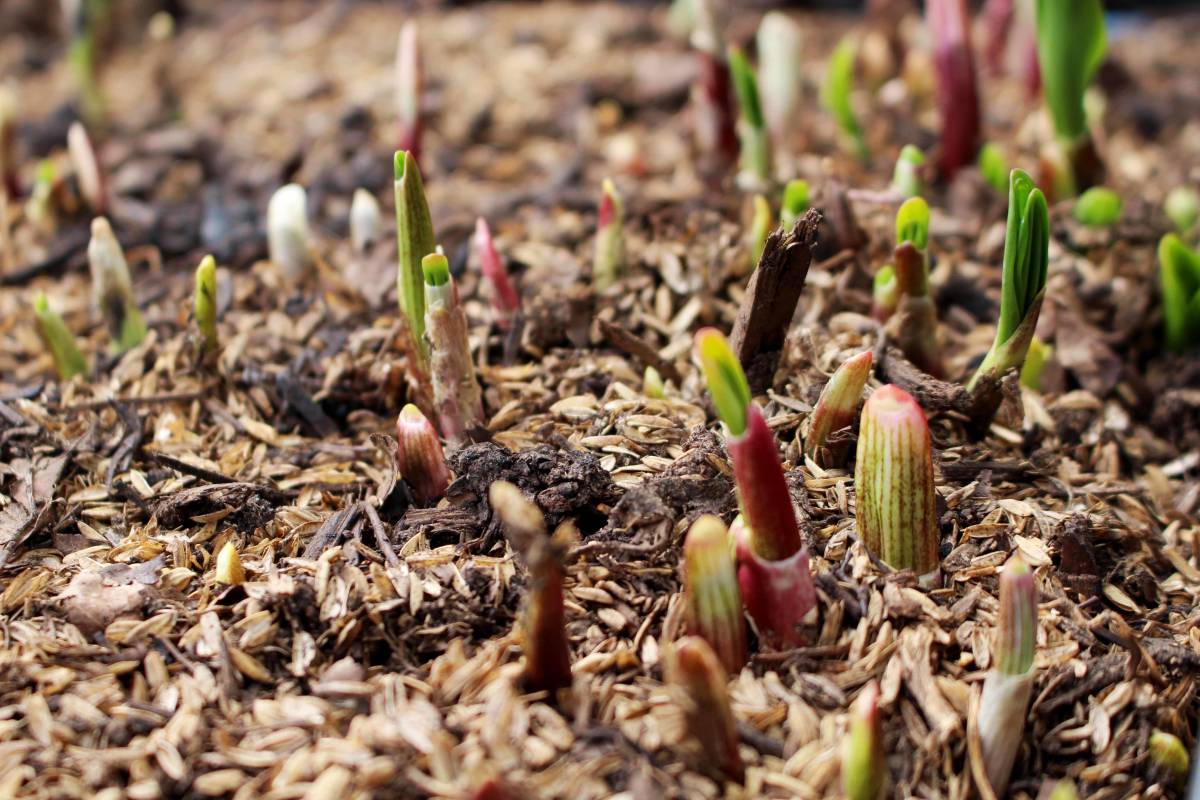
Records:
x=777, y=594
x=716, y=89
x=505, y=299
x=949, y=23
x=766, y=502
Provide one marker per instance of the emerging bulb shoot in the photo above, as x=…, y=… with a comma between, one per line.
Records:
x=204, y=306
x=456, y=391
x=112, y=289
x=419, y=456
x=710, y=590
x=864, y=765
x=366, y=221
x=58, y=339
x=893, y=479
x=287, y=232
x=505, y=300
x=837, y=409
x=695, y=670
x=609, y=263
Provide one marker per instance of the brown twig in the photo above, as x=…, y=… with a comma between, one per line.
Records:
x=638, y=348
x=770, y=300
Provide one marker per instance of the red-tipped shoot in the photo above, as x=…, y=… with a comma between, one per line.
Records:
x=409, y=122
x=505, y=300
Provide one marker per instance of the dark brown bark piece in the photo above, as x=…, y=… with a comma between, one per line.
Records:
x=770, y=301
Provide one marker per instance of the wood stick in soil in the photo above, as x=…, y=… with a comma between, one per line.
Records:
x=770, y=301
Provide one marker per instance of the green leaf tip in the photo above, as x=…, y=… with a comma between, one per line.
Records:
x=204, y=307
x=58, y=339
x=436, y=269
x=794, y=202
x=1179, y=282
x=726, y=381
x=1183, y=207
x=1071, y=43
x=399, y=162
x=835, y=92
x=993, y=167
x=912, y=223
x=1098, y=207
x=745, y=85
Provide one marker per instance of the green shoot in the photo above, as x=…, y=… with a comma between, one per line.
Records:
x=993, y=167
x=205, y=305
x=752, y=129
x=67, y=359
x=912, y=223
x=1179, y=280
x=906, y=178
x=414, y=241
x=1098, y=207
x=794, y=203
x=1026, y=257
x=835, y=94
x=1183, y=207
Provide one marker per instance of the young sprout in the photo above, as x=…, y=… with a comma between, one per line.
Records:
x=39, y=208
x=652, y=383
x=87, y=168
x=835, y=94
x=906, y=178
x=544, y=628
x=414, y=241
x=958, y=99
x=1008, y=683
x=1179, y=280
x=779, y=71
x=693, y=667
x=456, y=391
x=230, y=571
x=794, y=203
x=287, y=232
x=419, y=456
x=773, y=568
x=1071, y=45
x=1098, y=207
x=885, y=293
x=710, y=592
x=893, y=481
x=837, y=409
x=912, y=223
x=1183, y=207
x=1035, y=363
x=366, y=221
x=505, y=300
x=204, y=306
x=112, y=290
x=1169, y=758
x=609, y=263
x=760, y=228
x=408, y=90
x=993, y=167
x=712, y=95
x=67, y=359
x=80, y=16
x=864, y=763
x=755, y=157
x=914, y=322
x=1022, y=284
